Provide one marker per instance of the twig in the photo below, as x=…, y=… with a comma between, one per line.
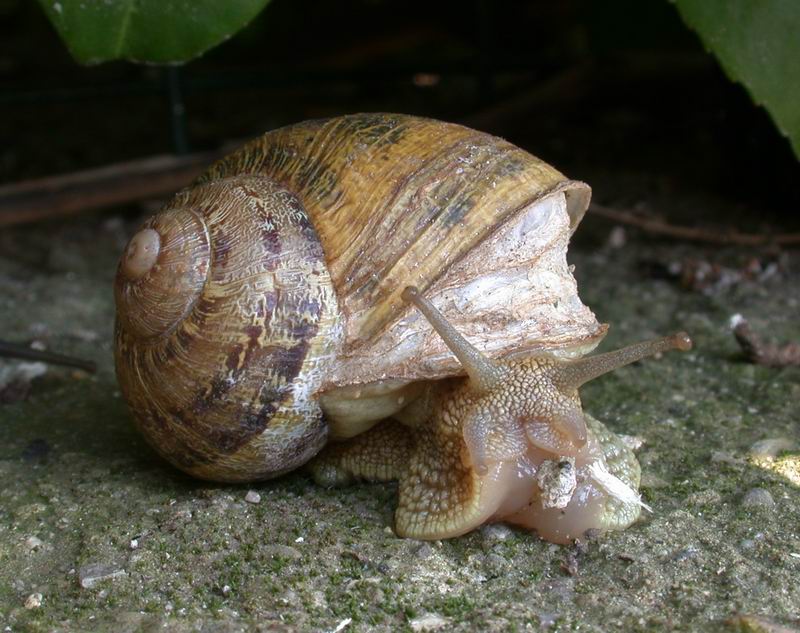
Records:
x=730, y=236
x=59, y=196
x=762, y=353
x=16, y=350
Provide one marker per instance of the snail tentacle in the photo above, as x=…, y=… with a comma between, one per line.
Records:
x=484, y=373
x=573, y=374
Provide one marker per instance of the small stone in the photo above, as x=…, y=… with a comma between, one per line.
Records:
x=226, y=589
x=252, y=497
x=428, y=622
x=770, y=447
x=424, y=551
x=495, y=563
x=33, y=543
x=758, y=498
x=33, y=601
x=90, y=575
x=570, y=564
x=496, y=532
x=134, y=544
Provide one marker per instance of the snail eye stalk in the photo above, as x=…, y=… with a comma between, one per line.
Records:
x=483, y=373
x=572, y=374
x=15, y=350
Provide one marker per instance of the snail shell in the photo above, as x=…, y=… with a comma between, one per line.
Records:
x=265, y=299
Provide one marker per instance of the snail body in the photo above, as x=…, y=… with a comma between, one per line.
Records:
x=266, y=311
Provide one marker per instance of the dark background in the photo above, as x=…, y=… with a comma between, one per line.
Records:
x=619, y=93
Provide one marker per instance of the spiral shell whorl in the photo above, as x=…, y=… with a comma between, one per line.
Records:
x=222, y=378
x=162, y=272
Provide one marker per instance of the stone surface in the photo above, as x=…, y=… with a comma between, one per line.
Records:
x=758, y=498
x=170, y=553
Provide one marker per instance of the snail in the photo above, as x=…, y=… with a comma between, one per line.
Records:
x=379, y=297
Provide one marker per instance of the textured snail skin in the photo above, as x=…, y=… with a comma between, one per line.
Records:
x=259, y=317
x=509, y=441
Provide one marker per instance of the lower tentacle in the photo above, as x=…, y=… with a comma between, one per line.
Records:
x=605, y=496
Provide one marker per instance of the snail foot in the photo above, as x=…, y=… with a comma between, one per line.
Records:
x=379, y=454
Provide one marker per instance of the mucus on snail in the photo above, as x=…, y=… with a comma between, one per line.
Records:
x=379, y=297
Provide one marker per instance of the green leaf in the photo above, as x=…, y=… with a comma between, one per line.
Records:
x=758, y=44
x=155, y=31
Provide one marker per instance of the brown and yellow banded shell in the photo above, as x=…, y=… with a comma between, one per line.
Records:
x=221, y=343
x=278, y=275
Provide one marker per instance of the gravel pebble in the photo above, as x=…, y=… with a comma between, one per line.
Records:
x=33, y=601
x=758, y=498
x=495, y=563
x=496, y=532
x=33, y=543
x=252, y=497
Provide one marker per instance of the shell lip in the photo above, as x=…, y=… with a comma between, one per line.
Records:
x=578, y=195
x=573, y=349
